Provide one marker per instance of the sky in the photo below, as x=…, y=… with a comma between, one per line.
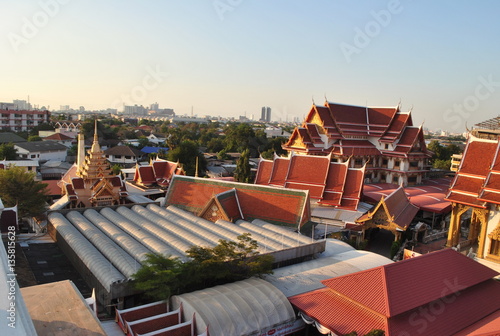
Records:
x=231, y=57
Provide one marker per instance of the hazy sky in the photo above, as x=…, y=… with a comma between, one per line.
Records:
x=228, y=57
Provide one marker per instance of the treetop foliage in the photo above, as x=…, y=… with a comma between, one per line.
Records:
x=161, y=276
x=18, y=187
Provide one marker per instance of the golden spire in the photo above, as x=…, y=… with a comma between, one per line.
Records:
x=95, y=145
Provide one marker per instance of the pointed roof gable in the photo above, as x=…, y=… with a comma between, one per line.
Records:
x=352, y=188
x=299, y=174
x=412, y=140
x=398, y=208
x=279, y=171
x=398, y=123
x=264, y=170
x=335, y=183
x=385, y=289
x=275, y=205
x=58, y=137
x=479, y=156
x=228, y=200
x=146, y=175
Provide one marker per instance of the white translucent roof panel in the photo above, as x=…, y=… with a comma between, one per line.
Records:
x=239, y=308
x=102, y=269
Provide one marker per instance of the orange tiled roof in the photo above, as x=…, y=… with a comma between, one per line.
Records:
x=264, y=171
x=342, y=187
x=276, y=205
x=477, y=180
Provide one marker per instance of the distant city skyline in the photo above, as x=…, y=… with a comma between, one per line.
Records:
x=229, y=58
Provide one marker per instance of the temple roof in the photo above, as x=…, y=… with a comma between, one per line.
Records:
x=398, y=207
x=477, y=180
x=159, y=172
x=331, y=183
x=275, y=205
x=346, y=130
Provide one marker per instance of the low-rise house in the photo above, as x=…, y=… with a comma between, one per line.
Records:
x=27, y=165
x=156, y=138
x=124, y=155
x=41, y=150
x=61, y=139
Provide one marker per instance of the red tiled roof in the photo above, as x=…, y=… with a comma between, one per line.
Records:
x=53, y=187
x=159, y=168
x=331, y=183
x=264, y=171
x=276, y=205
x=147, y=175
x=477, y=180
x=279, y=172
x=356, y=147
x=428, y=197
x=453, y=313
x=335, y=182
x=300, y=176
x=492, y=182
x=478, y=156
x=387, y=289
x=416, y=296
x=338, y=318
x=229, y=203
x=352, y=188
x=361, y=120
x=395, y=129
x=58, y=136
x=78, y=183
x=400, y=208
x=312, y=130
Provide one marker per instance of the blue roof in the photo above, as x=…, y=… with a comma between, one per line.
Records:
x=149, y=149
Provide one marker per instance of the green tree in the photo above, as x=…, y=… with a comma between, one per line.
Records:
x=143, y=142
x=116, y=169
x=228, y=261
x=18, y=187
x=442, y=164
x=186, y=153
x=243, y=172
x=8, y=151
x=34, y=138
x=158, y=277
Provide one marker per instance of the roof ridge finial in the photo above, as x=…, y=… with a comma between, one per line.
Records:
x=96, y=137
x=312, y=97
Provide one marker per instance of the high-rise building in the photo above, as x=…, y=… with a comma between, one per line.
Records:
x=268, y=114
x=265, y=114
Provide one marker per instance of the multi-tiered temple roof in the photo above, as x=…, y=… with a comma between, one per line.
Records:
x=346, y=130
x=90, y=182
